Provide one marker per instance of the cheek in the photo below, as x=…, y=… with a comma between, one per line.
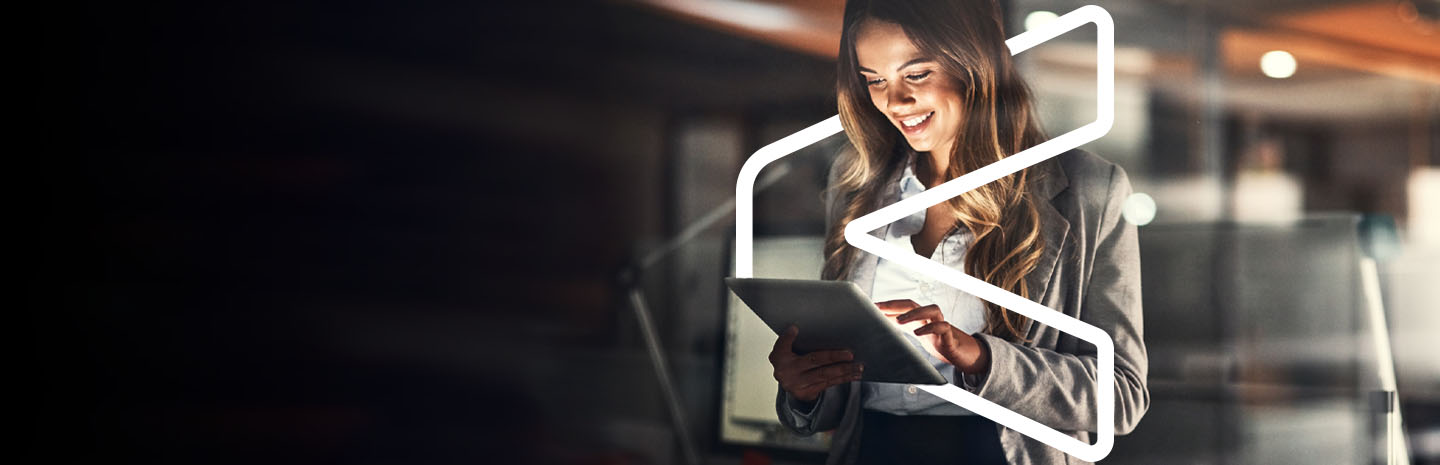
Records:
x=878, y=99
x=955, y=111
x=930, y=98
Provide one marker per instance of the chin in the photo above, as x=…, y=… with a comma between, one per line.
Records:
x=920, y=146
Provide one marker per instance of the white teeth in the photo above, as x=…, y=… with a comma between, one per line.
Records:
x=912, y=122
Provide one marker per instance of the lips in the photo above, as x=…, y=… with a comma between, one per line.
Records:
x=916, y=124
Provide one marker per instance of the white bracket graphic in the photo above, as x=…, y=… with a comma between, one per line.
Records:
x=856, y=235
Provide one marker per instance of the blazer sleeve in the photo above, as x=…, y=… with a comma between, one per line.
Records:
x=1058, y=388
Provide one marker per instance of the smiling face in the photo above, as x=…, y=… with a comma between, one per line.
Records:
x=908, y=87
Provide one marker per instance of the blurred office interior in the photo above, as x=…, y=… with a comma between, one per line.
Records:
x=415, y=232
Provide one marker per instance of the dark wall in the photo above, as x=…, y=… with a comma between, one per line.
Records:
x=349, y=232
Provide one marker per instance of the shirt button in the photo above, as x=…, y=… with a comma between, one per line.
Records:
x=910, y=389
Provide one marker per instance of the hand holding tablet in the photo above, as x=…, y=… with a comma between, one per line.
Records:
x=806, y=376
x=833, y=317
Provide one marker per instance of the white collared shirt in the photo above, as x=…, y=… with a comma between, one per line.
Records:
x=895, y=282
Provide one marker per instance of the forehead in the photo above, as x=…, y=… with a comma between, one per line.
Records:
x=883, y=46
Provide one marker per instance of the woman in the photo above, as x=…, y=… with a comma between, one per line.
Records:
x=927, y=92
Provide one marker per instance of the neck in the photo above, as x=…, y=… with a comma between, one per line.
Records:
x=935, y=163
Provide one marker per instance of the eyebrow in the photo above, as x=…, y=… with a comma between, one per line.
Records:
x=908, y=63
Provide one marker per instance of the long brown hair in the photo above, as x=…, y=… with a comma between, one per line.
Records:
x=967, y=38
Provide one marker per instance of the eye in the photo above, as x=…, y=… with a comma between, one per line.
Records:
x=920, y=76
x=873, y=82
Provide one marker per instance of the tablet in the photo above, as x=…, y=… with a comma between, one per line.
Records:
x=837, y=315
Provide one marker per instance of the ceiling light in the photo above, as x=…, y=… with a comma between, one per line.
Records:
x=1278, y=64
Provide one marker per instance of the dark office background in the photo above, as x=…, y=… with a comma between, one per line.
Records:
x=370, y=232
x=390, y=232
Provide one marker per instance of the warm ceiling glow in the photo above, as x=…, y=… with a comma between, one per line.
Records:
x=1277, y=64
x=1038, y=18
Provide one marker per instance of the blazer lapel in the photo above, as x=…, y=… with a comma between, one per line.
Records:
x=1054, y=228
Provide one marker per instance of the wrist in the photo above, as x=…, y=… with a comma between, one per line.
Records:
x=981, y=362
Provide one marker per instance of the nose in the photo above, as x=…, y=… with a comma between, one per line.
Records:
x=899, y=97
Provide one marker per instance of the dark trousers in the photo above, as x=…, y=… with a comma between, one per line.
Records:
x=926, y=440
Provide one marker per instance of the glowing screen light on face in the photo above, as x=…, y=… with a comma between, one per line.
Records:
x=856, y=235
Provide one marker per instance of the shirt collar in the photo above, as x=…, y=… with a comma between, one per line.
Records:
x=908, y=186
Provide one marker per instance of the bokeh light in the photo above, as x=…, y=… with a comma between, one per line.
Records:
x=1139, y=209
x=1278, y=64
x=1039, y=18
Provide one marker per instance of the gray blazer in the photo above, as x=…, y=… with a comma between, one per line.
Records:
x=1090, y=270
